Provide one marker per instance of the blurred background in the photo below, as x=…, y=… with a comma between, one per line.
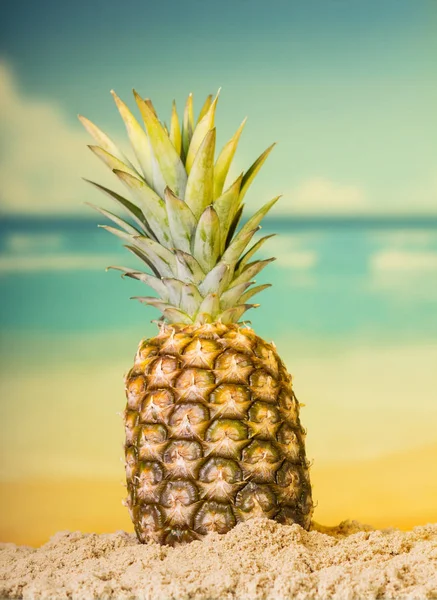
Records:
x=348, y=89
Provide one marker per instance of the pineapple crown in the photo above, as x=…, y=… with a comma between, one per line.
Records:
x=183, y=221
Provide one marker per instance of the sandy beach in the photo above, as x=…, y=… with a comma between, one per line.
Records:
x=256, y=560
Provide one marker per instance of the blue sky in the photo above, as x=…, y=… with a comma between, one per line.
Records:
x=346, y=88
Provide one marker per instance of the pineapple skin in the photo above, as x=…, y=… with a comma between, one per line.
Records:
x=213, y=435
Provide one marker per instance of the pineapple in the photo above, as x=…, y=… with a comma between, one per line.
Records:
x=213, y=435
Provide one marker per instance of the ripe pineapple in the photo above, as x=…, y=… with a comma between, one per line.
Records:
x=213, y=435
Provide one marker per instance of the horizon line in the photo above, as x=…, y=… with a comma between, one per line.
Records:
x=387, y=220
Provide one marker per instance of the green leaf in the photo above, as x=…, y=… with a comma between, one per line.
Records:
x=138, y=138
x=253, y=170
x=256, y=219
x=198, y=194
x=154, y=282
x=237, y=246
x=161, y=258
x=131, y=208
x=226, y=206
x=224, y=161
x=182, y=222
x=205, y=108
x=209, y=308
x=207, y=239
x=234, y=224
x=113, y=162
x=201, y=130
x=137, y=252
x=115, y=219
x=255, y=290
x=187, y=126
x=104, y=141
x=174, y=315
x=216, y=280
x=251, y=270
x=175, y=130
x=174, y=288
x=152, y=301
x=152, y=205
x=165, y=153
x=230, y=298
x=190, y=299
x=188, y=269
x=233, y=315
x=246, y=257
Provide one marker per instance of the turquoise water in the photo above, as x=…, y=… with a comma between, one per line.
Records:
x=377, y=279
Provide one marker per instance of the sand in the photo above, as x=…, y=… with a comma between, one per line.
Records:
x=256, y=560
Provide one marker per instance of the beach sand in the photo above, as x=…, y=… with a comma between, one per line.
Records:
x=260, y=559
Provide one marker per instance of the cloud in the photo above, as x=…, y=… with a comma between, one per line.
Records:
x=322, y=196
x=398, y=260
x=31, y=242
x=10, y=263
x=44, y=156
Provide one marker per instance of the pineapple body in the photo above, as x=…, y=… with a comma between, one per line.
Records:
x=213, y=435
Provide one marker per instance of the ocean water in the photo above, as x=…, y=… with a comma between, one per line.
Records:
x=330, y=280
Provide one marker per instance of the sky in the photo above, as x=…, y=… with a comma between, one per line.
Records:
x=347, y=89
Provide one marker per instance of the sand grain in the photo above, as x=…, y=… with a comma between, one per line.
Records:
x=256, y=560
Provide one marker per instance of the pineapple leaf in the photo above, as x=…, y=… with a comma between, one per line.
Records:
x=225, y=206
x=170, y=164
x=154, y=282
x=182, y=222
x=210, y=306
x=199, y=133
x=246, y=257
x=162, y=259
x=115, y=219
x=234, y=224
x=187, y=126
x=137, y=252
x=112, y=161
x=205, y=108
x=200, y=180
x=255, y=290
x=216, y=279
x=150, y=105
x=238, y=244
x=224, y=161
x=152, y=205
x=131, y=208
x=103, y=140
x=253, y=170
x=207, y=239
x=251, y=270
x=188, y=269
x=175, y=130
x=256, y=219
x=138, y=139
x=232, y=295
x=152, y=301
x=174, y=315
x=190, y=299
x=234, y=314
x=174, y=289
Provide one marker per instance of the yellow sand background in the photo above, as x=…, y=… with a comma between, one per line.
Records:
x=371, y=415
